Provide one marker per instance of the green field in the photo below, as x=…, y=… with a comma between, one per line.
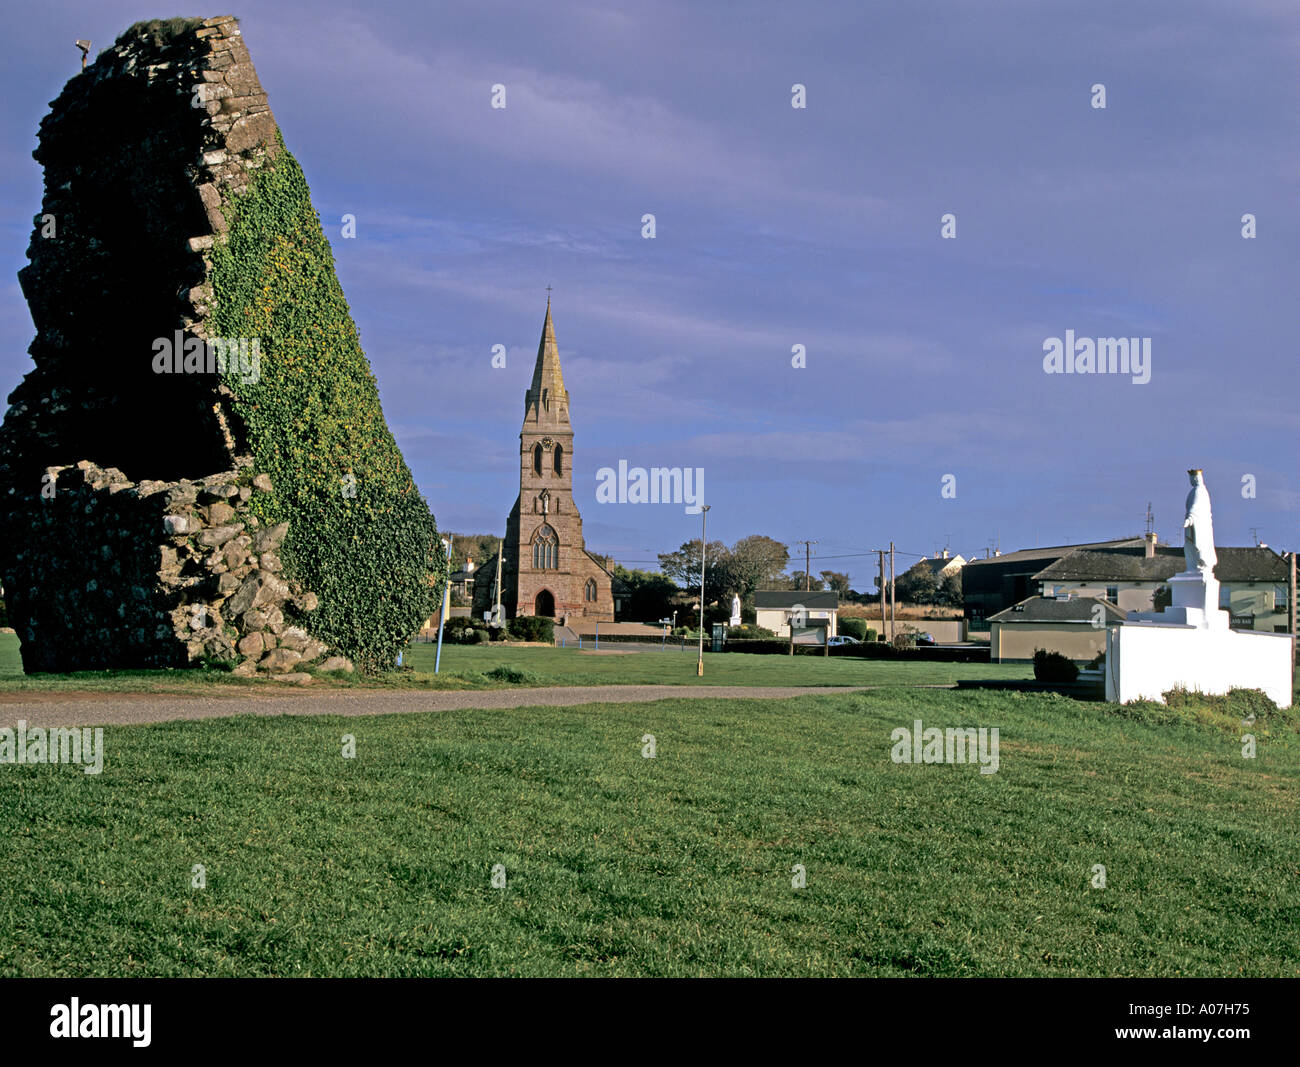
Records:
x=472, y=667
x=678, y=865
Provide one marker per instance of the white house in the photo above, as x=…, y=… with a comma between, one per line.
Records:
x=772, y=609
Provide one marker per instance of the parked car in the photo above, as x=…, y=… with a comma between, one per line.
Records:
x=843, y=639
x=925, y=639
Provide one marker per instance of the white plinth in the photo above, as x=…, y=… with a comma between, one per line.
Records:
x=1144, y=659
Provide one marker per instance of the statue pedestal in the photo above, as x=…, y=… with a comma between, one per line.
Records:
x=1195, y=601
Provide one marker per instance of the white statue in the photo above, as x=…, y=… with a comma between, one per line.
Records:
x=735, y=610
x=1198, y=528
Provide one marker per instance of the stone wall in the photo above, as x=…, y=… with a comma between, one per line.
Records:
x=157, y=574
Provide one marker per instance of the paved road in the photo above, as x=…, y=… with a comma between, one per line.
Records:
x=119, y=709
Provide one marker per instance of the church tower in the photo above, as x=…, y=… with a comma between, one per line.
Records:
x=546, y=569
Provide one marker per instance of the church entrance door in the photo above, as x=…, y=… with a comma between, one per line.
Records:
x=545, y=604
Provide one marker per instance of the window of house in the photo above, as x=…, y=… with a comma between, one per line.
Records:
x=1112, y=593
x=559, y=459
x=1280, y=598
x=591, y=589
x=1225, y=597
x=537, y=458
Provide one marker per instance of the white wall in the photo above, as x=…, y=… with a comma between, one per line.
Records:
x=1146, y=660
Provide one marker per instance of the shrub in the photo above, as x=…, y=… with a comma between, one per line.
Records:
x=360, y=535
x=513, y=675
x=532, y=628
x=1054, y=667
x=463, y=631
x=854, y=628
x=748, y=631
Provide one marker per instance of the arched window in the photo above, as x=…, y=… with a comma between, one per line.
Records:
x=559, y=459
x=537, y=458
x=591, y=589
x=546, y=549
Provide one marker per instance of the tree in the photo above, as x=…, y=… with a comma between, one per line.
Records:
x=950, y=592
x=839, y=582
x=795, y=582
x=754, y=561
x=917, y=585
x=649, y=594
x=478, y=547
x=683, y=568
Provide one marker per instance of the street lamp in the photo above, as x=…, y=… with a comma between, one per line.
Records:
x=442, y=611
x=704, y=514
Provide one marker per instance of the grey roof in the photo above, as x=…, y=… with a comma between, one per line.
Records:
x=778, y=598
x=1235, y=565
x=1054, y=552
x=1053, y=609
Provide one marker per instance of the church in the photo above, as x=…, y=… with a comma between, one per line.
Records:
x=545, y=566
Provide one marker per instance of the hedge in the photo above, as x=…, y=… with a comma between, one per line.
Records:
x=532, y=628
x=360, y=534
x=876, y=650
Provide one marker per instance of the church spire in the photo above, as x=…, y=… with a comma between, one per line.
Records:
x=547, y=395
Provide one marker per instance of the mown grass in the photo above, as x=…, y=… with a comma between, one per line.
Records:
x=502, y=666
x=677, y=865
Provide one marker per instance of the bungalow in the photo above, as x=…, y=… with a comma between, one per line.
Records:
x=1074, y=626
x=772, y=609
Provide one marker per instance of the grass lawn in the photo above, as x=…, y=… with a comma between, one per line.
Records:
x=473, y=667
x=678, y=865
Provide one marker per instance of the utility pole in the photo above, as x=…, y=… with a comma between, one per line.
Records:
x=881, y=551
x=893, y=600
x=807, y=563
x=704, y=515
x=1290, y=610
x=498, y=615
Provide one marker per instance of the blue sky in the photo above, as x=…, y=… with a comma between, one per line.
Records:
x=777, y=227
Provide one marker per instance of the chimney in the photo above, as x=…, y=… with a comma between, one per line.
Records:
x=1150, y=546
x=945, y=553
x=469, y=565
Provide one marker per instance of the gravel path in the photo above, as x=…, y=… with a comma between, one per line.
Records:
x=121, y=709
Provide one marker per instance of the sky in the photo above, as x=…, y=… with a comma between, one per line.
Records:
x=924, y=415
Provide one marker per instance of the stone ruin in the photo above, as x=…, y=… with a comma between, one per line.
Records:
x=129, y=541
